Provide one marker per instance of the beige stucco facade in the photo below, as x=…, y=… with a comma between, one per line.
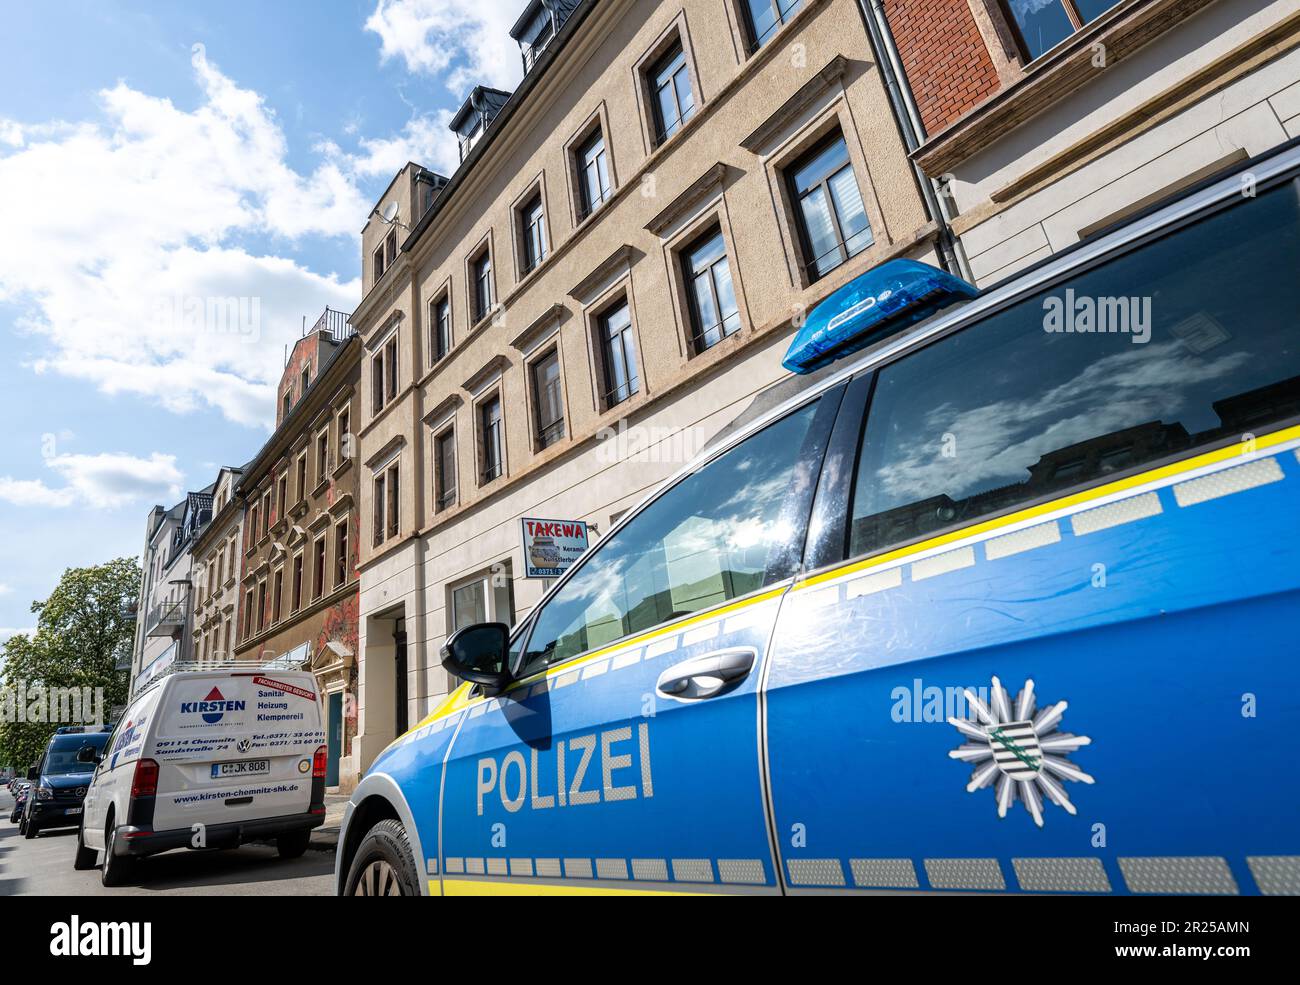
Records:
x=1162, y=93
x=724, y=169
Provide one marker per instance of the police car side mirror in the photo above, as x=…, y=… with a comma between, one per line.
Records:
x=88, y=754
x=478, y=654
x=33, y=773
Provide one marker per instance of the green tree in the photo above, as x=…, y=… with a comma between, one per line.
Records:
x=82, y=629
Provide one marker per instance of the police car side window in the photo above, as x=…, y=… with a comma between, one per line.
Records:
x=1085, y=381
x=706, y=540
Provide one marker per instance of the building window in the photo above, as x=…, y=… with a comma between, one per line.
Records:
x=302, y=476
x=383, y=375
x=393, y=502
x=618, y=355
x=306, y=378
x=386, y=504
x=674, y=102
x=833, y=224
x=491, y=438
x=481, y=285
x=345, y=438
x=252, y=528
x=261, y=605
x=322, y=456
x=341, y=554
x=593, y=174
x=288, y=403
x=712, y=296
x=318, y=569
x=378, y=263
x=390, y=249
x=487, y=597
x=1046, y=23
x=533, y=39
x=548, y=408
x=444, y=470
x=532, y=219
x=766, y=16
x=440, y=327
x=297, y=582
x=266, y=512
x=282, y=496
x=248, y=613
x=277, y=595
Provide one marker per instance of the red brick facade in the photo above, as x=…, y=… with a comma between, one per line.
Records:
x=943, y=53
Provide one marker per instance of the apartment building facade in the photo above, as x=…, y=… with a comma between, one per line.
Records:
x=1051, y=120
x=609, y=277
x=165, y=613
x=215, y=561
x=298, y=550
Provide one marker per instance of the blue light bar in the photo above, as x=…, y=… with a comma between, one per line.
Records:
x=876, y=304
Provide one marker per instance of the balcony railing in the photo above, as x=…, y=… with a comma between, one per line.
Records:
x=167, y=617
x=336, y=323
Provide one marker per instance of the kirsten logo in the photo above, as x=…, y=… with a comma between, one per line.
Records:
x=94, y=939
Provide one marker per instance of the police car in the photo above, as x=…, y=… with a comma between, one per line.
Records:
x=997, y=593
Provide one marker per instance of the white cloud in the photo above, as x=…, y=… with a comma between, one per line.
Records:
x=468, y=41
x=425, y=140
x=104, y=481
x=5, y=589
x=122, y=241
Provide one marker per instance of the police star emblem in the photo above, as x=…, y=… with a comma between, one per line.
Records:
x=1020, y=749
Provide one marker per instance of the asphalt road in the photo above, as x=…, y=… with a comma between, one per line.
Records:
x=42, y=866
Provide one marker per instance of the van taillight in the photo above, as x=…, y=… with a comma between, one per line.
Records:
x=318, y=763
x=145, y=781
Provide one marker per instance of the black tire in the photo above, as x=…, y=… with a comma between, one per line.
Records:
x=84, y=858
x=117, y=869
x=293, y=844
x=383, y=864
x=30, y=830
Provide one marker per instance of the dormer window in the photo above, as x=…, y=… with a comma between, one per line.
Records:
x=470, y=137
x=535, y=36
x=306, y=378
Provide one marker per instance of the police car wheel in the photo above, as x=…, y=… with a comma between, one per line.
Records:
x=30, y=830
x=383, y=864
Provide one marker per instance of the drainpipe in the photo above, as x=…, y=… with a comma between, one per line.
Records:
x=951, y=255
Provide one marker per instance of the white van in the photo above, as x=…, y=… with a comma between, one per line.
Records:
x=207, y=759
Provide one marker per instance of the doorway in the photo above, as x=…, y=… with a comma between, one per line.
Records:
x=334, y=738
x=399, y=670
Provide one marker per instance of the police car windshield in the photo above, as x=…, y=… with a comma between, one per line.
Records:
x=62, y=757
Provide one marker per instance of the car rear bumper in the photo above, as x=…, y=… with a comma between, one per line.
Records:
x=141, y=840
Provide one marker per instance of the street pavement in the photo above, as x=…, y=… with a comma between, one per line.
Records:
x=42, y=866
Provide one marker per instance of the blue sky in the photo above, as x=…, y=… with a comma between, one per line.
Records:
x=181, y=184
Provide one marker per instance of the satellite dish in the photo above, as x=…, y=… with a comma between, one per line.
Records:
x=390, y=212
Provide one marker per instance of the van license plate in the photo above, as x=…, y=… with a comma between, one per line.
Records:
x=246, y=767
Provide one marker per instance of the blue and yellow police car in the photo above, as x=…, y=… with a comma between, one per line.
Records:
x=996, y=592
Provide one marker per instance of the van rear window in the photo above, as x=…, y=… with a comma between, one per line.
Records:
x=1188, y=340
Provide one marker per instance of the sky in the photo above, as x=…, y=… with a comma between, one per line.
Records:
x=182, y=183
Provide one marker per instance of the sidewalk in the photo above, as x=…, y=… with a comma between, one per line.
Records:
x=326, y=837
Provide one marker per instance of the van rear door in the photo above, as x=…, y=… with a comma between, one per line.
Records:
x=234, y=747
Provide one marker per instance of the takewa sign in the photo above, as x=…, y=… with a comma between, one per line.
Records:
x=551, y=546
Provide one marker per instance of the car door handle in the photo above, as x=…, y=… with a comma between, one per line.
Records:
x=706, y=675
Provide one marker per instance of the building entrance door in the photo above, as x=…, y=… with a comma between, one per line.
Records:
x=399, y=670
x=334, y=737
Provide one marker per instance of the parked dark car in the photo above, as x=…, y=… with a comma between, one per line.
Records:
x=19, y=789
x=59, y=783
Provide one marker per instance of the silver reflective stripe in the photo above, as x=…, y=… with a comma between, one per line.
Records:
x=1115, y=514
x=1238, y=479
x=746, y=871
x=883, y=873
x=649, y=870
x=1276, y=875
x=815, y=872
x=692, y=870
x=1179, y=874
x=964, y=873
x=1061, y=875
x=1039, y=535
